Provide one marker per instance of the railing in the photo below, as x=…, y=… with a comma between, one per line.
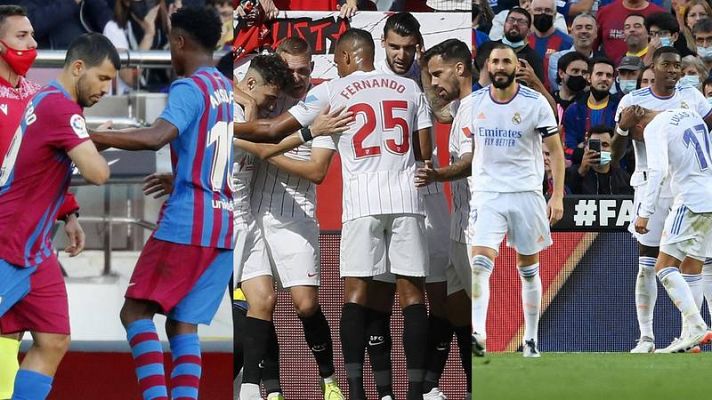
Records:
x=129, y=58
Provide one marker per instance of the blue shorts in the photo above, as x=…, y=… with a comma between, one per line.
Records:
x=14, y=284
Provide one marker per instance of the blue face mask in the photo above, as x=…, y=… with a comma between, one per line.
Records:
x=705, y=53
x=627, y=85
x=690, y=80
x=605, y=158
x=709, y=100
x=665, y=41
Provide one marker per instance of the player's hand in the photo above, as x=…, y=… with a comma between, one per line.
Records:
x=247, y=102
x=348, y=10
x=526, y=73
x=629, y=117
x=590, y=158
x=158, y=184
x=105, y=126
x=555, y=209
x=426, y=174
x=75, y=234
x=641, y=225
x=329, y=123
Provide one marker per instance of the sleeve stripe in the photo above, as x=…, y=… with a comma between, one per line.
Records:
x=547, y=131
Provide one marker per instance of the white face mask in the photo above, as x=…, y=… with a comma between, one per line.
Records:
x=690, y=80
x=705, y=53
x=666, y=41
x=605, y=158
x=709, y=100
x=627, y=85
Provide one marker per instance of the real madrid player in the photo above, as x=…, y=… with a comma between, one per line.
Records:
x=509, y=123
x=664, y=94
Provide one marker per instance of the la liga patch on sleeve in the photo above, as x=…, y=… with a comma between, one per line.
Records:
x=79, y=126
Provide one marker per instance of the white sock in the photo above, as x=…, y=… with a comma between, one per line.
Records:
x=481, y=271
x=237, y=383
x=250, y=391
x=681, y=296
x=707, y=284
x=531, y=299
x=646, y=293
x=695, y=284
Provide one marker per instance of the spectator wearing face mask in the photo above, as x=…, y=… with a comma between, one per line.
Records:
x=595, y=174
x=598, y=108
x=696, y=10
x=628, y=73
x=610, y=24
x=583, y=31
x=497, y=30
x=664, y=30
x=516, y=28
x=544, y=38
x=572, y=80
x=694, y=72
x=702, y=34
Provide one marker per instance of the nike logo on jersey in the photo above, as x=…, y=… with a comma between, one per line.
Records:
x=311, y=275
x=3, y=108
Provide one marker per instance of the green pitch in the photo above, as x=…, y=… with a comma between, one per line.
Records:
x=594, y=376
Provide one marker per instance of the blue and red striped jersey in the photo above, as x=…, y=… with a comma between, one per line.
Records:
x=549, y=45
x=35, y=174
x=199, y=211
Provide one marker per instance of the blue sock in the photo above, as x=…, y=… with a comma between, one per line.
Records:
x=185, y=378
x=31, y=385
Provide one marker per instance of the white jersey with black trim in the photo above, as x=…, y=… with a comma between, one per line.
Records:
x=377, y=160
x=686, y=97
x=460, y=144
x=683, y=155
x=508, y=141
x=280, y=193
x=242, y=172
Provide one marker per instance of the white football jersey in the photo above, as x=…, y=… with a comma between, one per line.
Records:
x=414, y=74
x=507, y=141
x=686, y=97
x=377, y=161
x=279, y=193
x=242, y=171
x=682, y=154
x=460, y=144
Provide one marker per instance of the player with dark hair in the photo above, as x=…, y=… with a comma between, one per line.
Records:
x=186, y=265
x=35, y=174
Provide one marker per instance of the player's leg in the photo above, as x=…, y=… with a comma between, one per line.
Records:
x=9, y=365
x=34, y=379
x=646, y=294
x=381, y=292
x=528, y=268
x=459, y=304
x=239, y=316
x=362, y=256
x=408, y=258
x=692, y=274
x=707, y=283
x=198, y=306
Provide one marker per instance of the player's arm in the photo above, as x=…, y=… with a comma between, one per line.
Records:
x=620, y=136
x=91, y=165
x=266, y=150
x=558, y=171
x=657, y=157
x=314, y=169
x=462, y=168
x=423, y=146
x=153, y=137
x=277, y=128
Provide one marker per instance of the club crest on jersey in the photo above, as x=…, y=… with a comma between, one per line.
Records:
x=684, y=105
x=79, y=126
x=517, y=119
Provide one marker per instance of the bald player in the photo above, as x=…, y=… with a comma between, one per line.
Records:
x=383, y=216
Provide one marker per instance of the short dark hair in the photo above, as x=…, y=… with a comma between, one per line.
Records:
x=522, y=11
x=501, y=46
x=664, y=50
x=601, y=60
x=273, y=70
x=10, y=11
x=639, y=81
x=635, y=15
x=451, y=50
x=598, y=129
x=663, y=20
x=294, y=46
x=703, y=25
x=567, y=59
x=92, y=48
x=404, y=24
x=201, y=23
x=359, y=36
x=483, y=53
x=706, y=82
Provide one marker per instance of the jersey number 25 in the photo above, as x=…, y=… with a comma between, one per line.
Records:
x=389, y=122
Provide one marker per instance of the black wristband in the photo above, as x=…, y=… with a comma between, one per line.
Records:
x=305, y=134
x=66, y=217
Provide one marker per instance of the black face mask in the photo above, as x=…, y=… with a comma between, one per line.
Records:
x=140, y=8
x=543, y=22
x=576, y=83
x=599, y=94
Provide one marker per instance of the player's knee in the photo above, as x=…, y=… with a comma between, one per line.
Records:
x=306, y=308
x=265, y=304
x=54, y=344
